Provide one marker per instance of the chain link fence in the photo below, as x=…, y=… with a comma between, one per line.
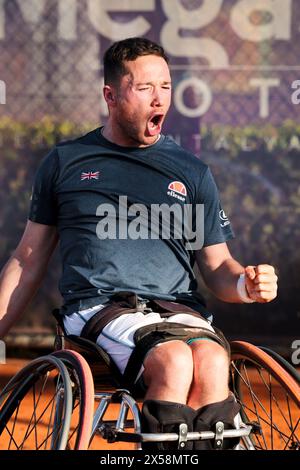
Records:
x=233, y=62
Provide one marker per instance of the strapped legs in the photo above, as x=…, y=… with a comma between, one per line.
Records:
x=165, y=417
x=187, y=384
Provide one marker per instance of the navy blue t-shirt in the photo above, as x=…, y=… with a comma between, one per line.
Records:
x=105, y=201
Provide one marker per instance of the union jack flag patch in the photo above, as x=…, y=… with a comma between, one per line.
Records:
x=90, y=175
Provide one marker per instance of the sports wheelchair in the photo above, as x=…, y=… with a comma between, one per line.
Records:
x=73, y=399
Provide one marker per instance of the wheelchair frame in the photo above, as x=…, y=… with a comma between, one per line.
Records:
x=70, y=420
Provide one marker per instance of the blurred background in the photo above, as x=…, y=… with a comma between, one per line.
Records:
x=236, y=105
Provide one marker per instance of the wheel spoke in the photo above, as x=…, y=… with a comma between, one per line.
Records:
x=268, y=394
x=14, y=424
x=32, y=390
x=38, y=420
x=292, y=436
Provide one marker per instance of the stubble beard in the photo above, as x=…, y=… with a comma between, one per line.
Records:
x=132, y=131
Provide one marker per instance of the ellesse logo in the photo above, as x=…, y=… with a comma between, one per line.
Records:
x=177, y=190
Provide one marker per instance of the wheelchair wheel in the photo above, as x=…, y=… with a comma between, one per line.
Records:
x=82, y=398
x=269, y=397
x=36, y=407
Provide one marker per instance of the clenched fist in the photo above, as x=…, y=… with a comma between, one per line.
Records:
x=261, y=282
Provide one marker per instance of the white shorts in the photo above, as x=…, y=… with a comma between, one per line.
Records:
x=116, y=337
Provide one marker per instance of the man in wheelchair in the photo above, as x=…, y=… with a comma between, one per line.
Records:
x=117, y=200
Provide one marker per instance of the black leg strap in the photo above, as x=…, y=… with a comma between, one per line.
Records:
x=160, y=416
x=209, y=415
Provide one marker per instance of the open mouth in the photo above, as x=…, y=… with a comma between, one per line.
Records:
x=154, y=124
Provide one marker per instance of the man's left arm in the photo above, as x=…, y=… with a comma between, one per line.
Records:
x=222, y=274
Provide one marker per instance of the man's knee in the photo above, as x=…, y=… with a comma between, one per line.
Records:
x=210, y=353
x=169, y=359
x=211, y=373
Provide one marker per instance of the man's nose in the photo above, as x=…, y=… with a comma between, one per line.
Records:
x=157, y=98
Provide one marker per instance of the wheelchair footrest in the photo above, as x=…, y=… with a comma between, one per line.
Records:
x=112, y=435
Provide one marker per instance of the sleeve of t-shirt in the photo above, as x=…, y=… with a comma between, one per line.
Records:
x=217, y=227
x=43, y=209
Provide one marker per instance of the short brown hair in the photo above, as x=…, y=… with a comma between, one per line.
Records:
x=127, y=50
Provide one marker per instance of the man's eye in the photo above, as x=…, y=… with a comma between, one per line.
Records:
x=145, y=88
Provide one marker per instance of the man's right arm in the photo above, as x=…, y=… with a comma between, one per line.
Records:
x=23, y=273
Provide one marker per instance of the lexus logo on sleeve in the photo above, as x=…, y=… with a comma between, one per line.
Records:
x=224, y=218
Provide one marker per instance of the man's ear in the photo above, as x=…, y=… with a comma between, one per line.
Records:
x=109, y=95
